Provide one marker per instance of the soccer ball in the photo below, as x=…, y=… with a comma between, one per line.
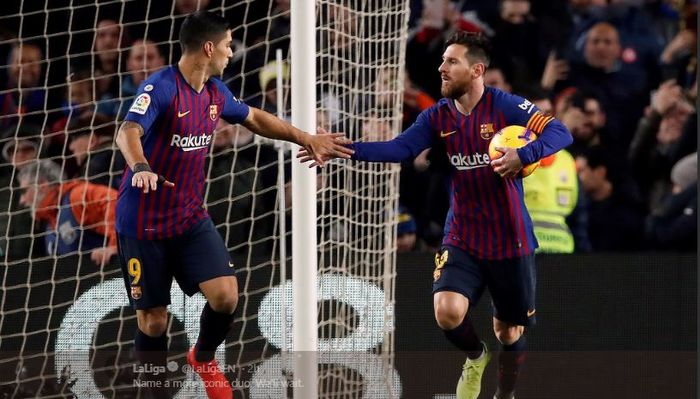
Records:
x=513, y=137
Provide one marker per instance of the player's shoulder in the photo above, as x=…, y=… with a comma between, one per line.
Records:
x=162, y=81
x=443, y=104
x=500, y=95
x=220, y=85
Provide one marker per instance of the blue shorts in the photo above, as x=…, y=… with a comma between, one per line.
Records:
x=511, y=282
x=149, y=265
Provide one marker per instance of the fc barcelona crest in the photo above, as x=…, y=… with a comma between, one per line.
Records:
x=135, y=292
x=486, y=131
x=213, y=110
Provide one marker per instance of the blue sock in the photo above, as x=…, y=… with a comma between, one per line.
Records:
x=152, y=353
x=464, y=337
x=213, y=328
x=510, y=362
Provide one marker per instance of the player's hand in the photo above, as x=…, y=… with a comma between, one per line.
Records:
x=149, y=181
x=324, y=146
x=509, y=164
x=101, y=256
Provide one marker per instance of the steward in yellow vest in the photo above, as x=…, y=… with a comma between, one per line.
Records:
x=551, y=196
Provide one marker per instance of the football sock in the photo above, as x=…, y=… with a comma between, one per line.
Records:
x=213, y=328
x=152, y=353
x=510, y=361
x=464, y=337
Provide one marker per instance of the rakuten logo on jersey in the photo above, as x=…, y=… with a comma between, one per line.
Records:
x=473, y=161
x=191, y=143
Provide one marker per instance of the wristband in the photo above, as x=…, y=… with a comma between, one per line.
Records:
x=141, y=167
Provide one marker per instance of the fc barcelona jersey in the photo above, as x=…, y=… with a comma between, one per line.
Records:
x=487, y=215
x=178, y=124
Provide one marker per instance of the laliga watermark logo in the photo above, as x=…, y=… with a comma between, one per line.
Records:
x=473, y=161
x=173, y=366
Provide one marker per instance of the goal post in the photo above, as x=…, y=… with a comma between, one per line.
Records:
x=304, y=239
x=65, y=325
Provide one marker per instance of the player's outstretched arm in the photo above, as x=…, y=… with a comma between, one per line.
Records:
x=129, y=143
x=406, y=145
x=320, y=147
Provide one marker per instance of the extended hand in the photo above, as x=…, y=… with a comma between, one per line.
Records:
x=509, y=164
x=324, y=146
x=101, y=256
x=149, y=180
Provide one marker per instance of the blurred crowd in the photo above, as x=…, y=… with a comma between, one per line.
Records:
x=620, y=74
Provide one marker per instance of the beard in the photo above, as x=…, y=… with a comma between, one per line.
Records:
x=454, y=89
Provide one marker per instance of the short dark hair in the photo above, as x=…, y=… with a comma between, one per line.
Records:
x=534, y=92
x=200, y=27
x=477, y=44
x=579, y=98
x=98, y=124
x=596, y=157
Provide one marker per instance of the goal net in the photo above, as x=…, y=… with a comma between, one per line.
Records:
x=71, y=69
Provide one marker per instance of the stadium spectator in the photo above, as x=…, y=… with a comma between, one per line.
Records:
x=555, y=69
x=280, y=24
x=616, y=215
x=20, y=146
x=673, y=224
x=517, y=42
x=406, y=239
x=268, y=85
x=621, y=87
x=90, y=142
x=437, y=22
x=24, y=95
x=584, y=114
x=86, y=93
x=415, y=100
x=74, y=215
x=557, y=205
x=144, y=58
x=376, y=126
x=496, y=77
x=666, y=134
x=83, y=97
x=108, y=41
x=539, y=97
x=679, y=56
x=280, y=27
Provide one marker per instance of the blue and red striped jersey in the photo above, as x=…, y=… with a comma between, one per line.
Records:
x=487, y=215
x=178, y=125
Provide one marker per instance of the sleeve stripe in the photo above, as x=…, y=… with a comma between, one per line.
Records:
x=537, y=122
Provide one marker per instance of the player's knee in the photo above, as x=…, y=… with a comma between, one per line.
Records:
x=224, y=302
x=448, y=317
x=508, y=335
x=153, y=323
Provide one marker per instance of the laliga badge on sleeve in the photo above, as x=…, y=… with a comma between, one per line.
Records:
x=141, y=104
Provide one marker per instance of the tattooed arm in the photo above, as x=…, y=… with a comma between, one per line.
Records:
x=129, y=143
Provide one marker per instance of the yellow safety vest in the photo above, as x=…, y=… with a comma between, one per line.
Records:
x=551, y=193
